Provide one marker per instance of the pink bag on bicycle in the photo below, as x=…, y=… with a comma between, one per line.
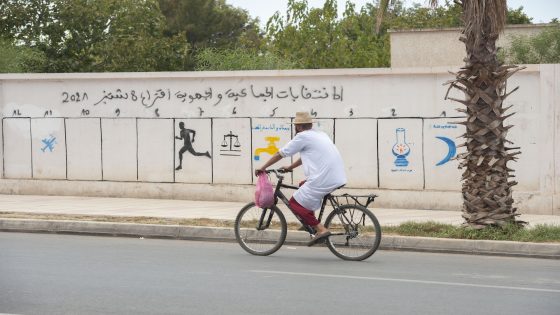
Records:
x=264, y=194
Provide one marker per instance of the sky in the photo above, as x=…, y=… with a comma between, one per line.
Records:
x=542, y=11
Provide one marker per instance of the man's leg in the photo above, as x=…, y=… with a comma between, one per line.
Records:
x=307, y=216
x=319, y=228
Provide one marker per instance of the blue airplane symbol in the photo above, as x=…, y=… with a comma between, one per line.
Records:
x=49, y=144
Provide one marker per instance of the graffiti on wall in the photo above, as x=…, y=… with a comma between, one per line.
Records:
x=452, y=150
x=401, y=149
x=149, y=98
x=48, y=143
x=451, y=146
x=230, y=145
x=266, y=137
x=185, y=135
x=270, y=149
x=201, y=99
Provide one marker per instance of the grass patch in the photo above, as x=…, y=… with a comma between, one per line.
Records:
x=511, y=232
x=540, y=233
x=118, y=219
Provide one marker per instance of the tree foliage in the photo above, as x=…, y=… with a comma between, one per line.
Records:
x=212, y=59
x=93, y=36
x=20, y=58
x=394, y=15
x=316, y=38
x=417, y=16
x=517, y=16
x=541, y=48
x=210, y=23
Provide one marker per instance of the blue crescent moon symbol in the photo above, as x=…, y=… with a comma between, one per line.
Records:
x=452, y=150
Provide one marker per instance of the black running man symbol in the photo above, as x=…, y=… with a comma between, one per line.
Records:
x=185, y=135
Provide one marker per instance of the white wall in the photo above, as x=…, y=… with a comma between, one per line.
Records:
x=435, y=47
x=111, y=131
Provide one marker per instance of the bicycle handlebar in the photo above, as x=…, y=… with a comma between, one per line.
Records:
x=278, y=171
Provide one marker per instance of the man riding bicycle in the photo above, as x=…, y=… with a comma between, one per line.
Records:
x=323, y=168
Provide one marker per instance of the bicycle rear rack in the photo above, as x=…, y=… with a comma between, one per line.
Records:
x=362, y=200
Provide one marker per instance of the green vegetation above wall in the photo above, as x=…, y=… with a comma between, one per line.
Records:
x=541, y=48
x=174, y=35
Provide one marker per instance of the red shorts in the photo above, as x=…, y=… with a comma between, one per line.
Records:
x=307, y=216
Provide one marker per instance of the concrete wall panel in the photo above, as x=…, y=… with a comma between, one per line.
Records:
x=48, y=148
x=356, y=139
x=232, y=151
x=440, y=147
x=119, y=149
x=325, y=125
x=155, y=150
x=401, y=154
x=269, y=135
x=84, y=148
x=526, y=134
x=197, y=151
x=17, y=148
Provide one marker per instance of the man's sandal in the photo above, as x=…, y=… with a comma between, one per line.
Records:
x=318, y=238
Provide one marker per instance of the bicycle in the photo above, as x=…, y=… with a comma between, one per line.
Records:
x=356, y=233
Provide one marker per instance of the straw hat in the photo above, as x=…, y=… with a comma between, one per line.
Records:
x=302, y=118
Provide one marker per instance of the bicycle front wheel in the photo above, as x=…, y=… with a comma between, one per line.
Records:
x=356, y=233
x=260, y=231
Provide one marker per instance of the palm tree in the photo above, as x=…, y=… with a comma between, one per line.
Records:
x=487, y=194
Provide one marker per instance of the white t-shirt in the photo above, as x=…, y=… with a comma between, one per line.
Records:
x=322, y=165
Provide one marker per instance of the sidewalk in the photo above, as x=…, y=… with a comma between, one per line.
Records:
x=188, y=209
x=162, y=208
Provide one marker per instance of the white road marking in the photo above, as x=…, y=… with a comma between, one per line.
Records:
x=457, y=284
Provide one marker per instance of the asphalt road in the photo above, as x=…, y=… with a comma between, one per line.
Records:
x=63, y=274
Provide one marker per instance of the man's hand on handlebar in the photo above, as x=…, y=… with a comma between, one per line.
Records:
x=284, y=169
x=259, y=171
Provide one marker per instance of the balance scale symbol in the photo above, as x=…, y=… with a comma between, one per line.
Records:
x=230, y=147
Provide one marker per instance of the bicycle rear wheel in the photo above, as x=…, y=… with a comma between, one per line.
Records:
x=260, y=231
x=356, y=233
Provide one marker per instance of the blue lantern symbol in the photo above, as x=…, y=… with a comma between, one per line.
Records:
x=401, y=149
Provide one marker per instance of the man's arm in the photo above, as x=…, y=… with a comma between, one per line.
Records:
x=275, y=158
x=297, y=163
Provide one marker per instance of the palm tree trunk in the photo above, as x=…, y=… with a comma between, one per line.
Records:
x=487, y=193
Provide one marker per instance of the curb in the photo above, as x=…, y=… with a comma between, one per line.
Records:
x=217, y=234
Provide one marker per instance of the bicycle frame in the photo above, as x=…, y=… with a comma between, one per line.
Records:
x=278, y=194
